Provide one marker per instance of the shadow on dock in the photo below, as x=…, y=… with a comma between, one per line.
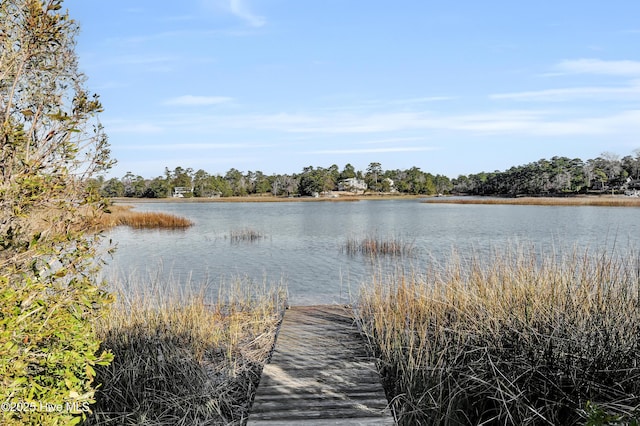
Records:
x=320, y=373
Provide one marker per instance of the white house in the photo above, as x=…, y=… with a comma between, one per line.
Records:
x=179, y=191
x=352, y=185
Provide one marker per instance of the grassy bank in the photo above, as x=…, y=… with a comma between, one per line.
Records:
x=337, y=197
x=601, y=201
x=182, y=358
x=515, y=339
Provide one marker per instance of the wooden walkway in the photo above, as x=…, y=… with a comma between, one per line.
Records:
x=319, y=374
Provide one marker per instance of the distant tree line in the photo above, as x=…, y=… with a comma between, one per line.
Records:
x=557, y=176
x=310, y=181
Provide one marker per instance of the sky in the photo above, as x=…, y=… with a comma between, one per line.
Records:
x=453, y=88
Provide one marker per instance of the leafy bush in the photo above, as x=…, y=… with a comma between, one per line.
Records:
x=50, y=145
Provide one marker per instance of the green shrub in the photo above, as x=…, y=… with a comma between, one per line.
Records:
x=50, y=146
x=48, y=350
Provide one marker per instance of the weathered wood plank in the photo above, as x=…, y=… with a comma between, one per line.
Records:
x=319, y=373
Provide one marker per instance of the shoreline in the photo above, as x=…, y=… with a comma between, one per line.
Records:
x=268, y=199
x=581, y=200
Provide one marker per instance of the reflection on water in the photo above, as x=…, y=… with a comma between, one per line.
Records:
x=302, y=244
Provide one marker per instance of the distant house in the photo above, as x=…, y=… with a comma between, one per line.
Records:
x=388, y=185
x=352, y=185
x=180, y=191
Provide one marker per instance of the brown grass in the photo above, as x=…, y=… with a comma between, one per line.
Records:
x=183, y=357
x=544, y=201
x=245, y=234
x=377, y=246
x=118, y=215
x=515, y=339
x=270, y=199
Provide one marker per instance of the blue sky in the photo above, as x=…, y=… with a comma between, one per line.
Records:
x=276, y=85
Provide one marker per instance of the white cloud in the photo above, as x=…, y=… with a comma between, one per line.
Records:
x=190, y=100
x=193, y=146
x=139, y=128
x=373, y=150
x=243, y=11
x=392, y=140
x=574, y=93
x=598, y=66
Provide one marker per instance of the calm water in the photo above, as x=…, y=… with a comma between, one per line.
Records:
x=303, y=243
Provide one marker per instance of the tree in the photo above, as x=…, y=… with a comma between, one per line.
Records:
x=374, y=171
x=348, y=172
x=112, y=188
x=237, y=182
x=156, y=188
x=51, y=146
x=311, y=181
x=202, y=184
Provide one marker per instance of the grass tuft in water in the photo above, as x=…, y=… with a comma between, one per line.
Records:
x=124, y=215
x=377, y=246
x=245, y=234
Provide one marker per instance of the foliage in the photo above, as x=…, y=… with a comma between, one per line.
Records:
x=557, y=176
x=51, y=145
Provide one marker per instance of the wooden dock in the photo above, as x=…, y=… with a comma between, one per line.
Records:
x=320, y=374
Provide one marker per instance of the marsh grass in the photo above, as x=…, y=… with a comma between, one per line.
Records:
x=182, y=358
x=517, y=339
x=374, y=246
x=117, y=215
x=245, y=234
x=602, y=201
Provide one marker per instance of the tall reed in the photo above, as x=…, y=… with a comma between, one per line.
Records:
x=183, y=357
x=377, y=246
x=245, y=234
x=518, y=339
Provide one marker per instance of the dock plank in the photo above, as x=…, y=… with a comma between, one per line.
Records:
x=319, y=374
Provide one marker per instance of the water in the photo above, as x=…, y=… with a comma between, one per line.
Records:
x=303, y=243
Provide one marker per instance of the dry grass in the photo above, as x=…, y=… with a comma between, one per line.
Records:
x=124, y=215
x=604, y=201
x=377, y=246
x=245, y=234
x=182, y=358
x=513, y=340
x=268, y=198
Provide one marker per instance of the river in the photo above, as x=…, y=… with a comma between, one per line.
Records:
x=303, y=243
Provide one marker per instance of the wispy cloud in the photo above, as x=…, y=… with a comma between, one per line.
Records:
x=137, y=128
x=626, y=69
x=391, y=140
x=145, y=63
x=190, y=100
x=422, y=100
x=181, y=147
x=243, y=11
x=574, y=93
x=374, y=150
x=600, y=67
